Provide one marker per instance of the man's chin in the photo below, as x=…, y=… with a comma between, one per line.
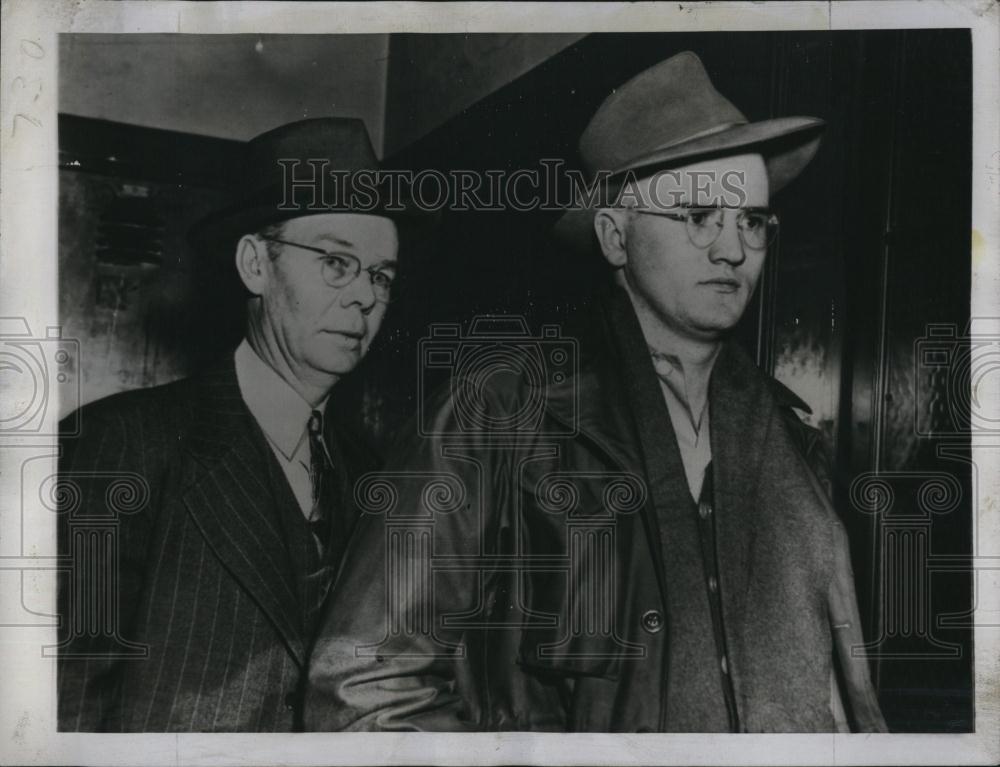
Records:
x=341, y=363
x=716, y=328
x=721, y=319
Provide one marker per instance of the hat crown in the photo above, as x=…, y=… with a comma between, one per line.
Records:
x=658, y=108
x=341, y=142
x=260, y=194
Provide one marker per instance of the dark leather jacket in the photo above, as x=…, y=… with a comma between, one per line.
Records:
x=516, y=581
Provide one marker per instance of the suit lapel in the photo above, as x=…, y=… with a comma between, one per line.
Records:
x=230, y=500
x=741, y=409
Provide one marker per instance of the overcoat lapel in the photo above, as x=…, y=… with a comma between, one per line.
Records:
x=230, y=500
x=741, y=409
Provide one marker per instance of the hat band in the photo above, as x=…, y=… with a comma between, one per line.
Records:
x=680, y=142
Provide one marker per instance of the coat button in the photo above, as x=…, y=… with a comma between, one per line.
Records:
x=704, y=509
x=290, y=701
x=724, y=665
x=652, y=621
x=713, y=584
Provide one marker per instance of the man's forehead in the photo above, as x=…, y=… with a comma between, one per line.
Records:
x=346, y=229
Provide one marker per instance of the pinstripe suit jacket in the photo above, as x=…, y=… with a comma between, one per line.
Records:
x=184, y=606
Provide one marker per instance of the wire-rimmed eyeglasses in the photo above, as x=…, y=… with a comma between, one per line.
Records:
x=757, y=227
x=341, y=269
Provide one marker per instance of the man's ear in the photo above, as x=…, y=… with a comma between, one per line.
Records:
x=251, y=258
x=609, y=225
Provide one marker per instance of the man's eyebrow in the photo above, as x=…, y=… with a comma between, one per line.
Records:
x=388, y=262
x=335, y=240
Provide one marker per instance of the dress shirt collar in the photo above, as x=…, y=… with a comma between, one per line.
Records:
x=692, y=431
x=670, y=371
x=278, y=408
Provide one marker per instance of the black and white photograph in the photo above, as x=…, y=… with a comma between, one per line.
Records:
x=423, y=383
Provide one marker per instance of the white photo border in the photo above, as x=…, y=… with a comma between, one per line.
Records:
x=29, y=289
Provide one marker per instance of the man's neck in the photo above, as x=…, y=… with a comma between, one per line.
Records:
x=312, y=391
x=696, y=360
x=693, y=358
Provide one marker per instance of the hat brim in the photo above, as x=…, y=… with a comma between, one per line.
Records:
x=787, y=145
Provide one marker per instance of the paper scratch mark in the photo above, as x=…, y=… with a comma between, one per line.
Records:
x=22, y=725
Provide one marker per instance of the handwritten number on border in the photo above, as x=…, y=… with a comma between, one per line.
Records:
x=21, y=88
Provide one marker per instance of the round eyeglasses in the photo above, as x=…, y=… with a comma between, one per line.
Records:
x=757, y=227
x=341, y=269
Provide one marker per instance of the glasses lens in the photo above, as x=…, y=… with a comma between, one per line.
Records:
x=758, y=228
x=704, y=225
x=338, y=271
x=382, y=286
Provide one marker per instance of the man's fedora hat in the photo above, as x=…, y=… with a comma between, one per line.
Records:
x=322, y=156
x=670, y=115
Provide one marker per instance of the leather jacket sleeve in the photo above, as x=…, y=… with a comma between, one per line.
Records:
x=375, y=665
x=392, y=654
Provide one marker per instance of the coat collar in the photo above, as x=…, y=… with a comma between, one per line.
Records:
x=231, y=502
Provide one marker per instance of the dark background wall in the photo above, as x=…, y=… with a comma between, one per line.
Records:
x=874, y=247
x=227, y=86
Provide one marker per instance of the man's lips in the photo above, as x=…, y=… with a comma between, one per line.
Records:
x=726, y=284
x=351, y=337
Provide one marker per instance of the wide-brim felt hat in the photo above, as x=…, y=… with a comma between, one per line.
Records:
x=671, y=115
x=298, y=169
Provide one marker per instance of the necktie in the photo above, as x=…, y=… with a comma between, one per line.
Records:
x=322, y=475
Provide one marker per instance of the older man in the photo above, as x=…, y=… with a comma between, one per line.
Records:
x=656, y=552
x=241, y=505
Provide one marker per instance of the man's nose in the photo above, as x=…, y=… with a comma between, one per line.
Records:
x=359, y=291
x=728, y=247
